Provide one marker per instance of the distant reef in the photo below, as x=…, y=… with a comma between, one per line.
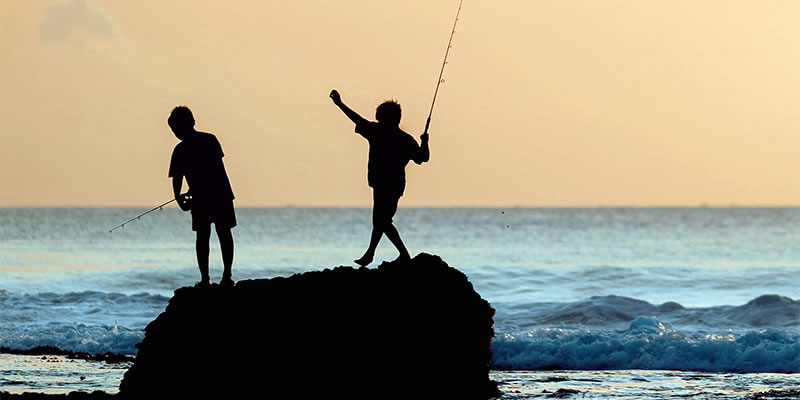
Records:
x=411, y=329
x=110, y=358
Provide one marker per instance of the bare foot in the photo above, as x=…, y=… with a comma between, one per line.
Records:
x=204, y=282
x=226, y=281
x=365, y=260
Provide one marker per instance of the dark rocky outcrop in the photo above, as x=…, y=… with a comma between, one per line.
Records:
x=414, y=329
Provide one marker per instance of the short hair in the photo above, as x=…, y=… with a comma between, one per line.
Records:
x=181, y=117
x=389, y=112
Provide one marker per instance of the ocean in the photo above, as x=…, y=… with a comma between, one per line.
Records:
x=632, y=303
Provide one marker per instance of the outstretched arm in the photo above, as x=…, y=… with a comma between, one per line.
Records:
x=337, y=99
x=424, y=152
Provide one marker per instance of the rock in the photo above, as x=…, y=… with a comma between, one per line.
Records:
x=414, y=329
x=562, y=393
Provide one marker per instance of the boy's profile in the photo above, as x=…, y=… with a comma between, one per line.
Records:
x=198, y=157
x=390, y=150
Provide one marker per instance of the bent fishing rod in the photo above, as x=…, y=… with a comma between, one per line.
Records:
x=160, y=207
x=440, y=80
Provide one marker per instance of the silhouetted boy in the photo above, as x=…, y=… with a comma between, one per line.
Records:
x=198, y=157
x=390, y=150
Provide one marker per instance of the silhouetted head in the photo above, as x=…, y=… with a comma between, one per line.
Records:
x=389, y=113
x=181, y=121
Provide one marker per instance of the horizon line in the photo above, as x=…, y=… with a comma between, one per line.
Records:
x=520, y=206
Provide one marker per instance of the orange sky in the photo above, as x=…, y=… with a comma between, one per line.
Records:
x=546, y=103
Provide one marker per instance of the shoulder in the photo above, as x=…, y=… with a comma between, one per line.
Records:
x=207, y=139
x=205, y=136
x=367, y=129
x=407, y=137
x=209, y=143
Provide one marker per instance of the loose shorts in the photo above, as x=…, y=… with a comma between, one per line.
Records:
x=218, y=212
x=384, y=205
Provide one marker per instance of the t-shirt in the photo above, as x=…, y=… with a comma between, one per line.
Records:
x=199, y=158
x=390, y=150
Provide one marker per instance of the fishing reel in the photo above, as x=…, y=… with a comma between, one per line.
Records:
x=185, y=201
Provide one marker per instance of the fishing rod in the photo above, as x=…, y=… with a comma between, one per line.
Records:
x=141, y=215
x=440, y=80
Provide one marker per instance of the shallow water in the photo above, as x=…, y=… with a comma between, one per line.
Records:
x=56, y=374
x=644, y=384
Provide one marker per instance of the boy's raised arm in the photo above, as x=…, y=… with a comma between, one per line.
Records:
x=337, y=99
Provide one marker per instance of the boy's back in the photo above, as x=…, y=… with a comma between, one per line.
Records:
x=199, y=158
x=390, y=150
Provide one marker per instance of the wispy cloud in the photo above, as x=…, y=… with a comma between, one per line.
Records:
x=66, y=19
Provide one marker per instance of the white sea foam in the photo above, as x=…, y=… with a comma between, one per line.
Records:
x=649, y=344
x=614, y=332
x=92, y=322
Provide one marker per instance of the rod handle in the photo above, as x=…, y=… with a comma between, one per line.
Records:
x=427, y=124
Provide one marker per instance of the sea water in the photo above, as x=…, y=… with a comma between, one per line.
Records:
x=694, y=291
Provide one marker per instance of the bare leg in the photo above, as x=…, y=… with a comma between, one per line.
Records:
x=201, y=248
x=383, y=209
x=226, y=246
x=394, y=236
x=375, y=238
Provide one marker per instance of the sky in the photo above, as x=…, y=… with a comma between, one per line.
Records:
x=545, y=103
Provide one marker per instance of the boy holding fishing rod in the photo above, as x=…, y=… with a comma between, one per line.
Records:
x=390, y=150
x=198, y=157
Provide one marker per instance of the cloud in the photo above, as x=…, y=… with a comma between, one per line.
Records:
x=66, y=19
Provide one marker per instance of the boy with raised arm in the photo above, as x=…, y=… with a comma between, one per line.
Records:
x=390, y=150
x=198, y=157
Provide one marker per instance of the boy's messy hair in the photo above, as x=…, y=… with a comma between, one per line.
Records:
x=389, y=112
x=181, y=117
